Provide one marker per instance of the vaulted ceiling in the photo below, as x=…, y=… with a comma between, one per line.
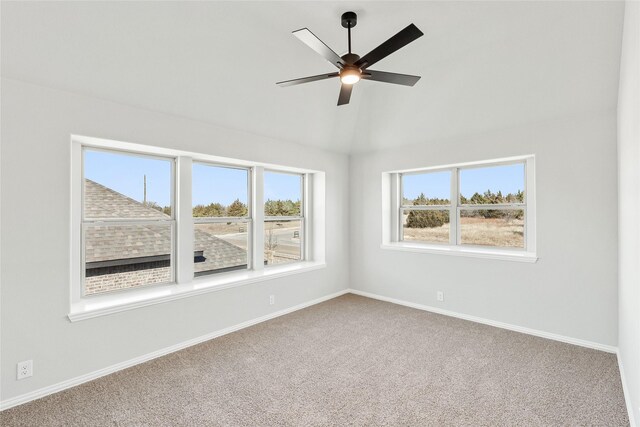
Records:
x=484, y=65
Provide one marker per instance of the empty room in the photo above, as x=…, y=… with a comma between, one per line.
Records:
x=327, y=213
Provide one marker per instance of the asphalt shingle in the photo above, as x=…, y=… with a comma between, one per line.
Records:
x=107, y=242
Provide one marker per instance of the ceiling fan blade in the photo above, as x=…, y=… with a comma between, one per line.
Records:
x=395, y=78
x=311, y=40
x=306, y=79
x=403, y=38
x=345, y=94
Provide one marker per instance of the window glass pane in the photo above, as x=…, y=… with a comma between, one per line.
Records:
x=282, y=241
x=432, y=188
x=491, y=185
x=126, y=256
x=430, y=226
x=219, y=191
x=282, y=194
x=120, y=185
x=220, y=247
x=492, y=227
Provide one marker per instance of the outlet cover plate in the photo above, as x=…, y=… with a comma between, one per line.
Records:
x=25, y=369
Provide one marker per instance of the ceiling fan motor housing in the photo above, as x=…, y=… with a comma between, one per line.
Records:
x=350, y=58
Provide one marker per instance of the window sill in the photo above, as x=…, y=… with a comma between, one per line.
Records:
x=519, y=256
x=113, y=303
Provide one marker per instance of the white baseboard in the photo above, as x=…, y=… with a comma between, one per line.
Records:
x=625, y=389
x=45, y=391
x=535, y=332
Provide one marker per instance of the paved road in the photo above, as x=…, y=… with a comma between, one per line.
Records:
x=287, y=244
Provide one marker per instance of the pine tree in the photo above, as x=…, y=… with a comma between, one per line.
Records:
x=210, y=210
x=237, y=208
x=427, y=219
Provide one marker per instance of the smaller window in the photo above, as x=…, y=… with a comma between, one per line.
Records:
x=284, y=218
x=482, y=205
x=222, y=218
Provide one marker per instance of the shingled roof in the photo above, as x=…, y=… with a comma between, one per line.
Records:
x=102, y=202
x=108, y=244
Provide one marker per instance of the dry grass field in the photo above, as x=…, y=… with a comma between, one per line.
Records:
x=474, y=231
x=430, y=235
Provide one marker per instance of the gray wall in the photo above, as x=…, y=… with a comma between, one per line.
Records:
x=629, y=202
x=570, y=291
x=35, y=174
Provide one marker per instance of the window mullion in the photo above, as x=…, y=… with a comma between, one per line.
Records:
x=453, y=210
x=396, y=207
x=185, y=228
x=257, y=205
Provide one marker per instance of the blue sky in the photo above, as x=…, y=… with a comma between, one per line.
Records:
x=433, y=185
x=214, y=184
x=281, y=186
x=508, y=179
x=125, y=174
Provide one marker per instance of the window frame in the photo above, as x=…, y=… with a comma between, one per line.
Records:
x=395, y=238
x=184, y=283
x=85, y=223
x=217, y=220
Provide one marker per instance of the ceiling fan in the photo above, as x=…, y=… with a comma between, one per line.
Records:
x=352, y=67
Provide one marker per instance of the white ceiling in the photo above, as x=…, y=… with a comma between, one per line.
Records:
x=484, y=65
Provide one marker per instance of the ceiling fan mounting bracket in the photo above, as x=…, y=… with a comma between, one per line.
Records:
x=349, y=19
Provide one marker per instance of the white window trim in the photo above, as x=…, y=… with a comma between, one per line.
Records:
x=185, y=284
x=392, y=206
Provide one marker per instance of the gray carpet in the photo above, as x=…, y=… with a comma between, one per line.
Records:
x=351, y=361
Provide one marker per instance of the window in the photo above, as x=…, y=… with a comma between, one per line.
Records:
x=186, y=223
x=222, y=220
x=283, y=217
x=501, y=187
x=426, y=205
x=128, y=226
x=483, y=206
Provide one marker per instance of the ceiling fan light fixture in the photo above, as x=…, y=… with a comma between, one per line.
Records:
x=350, y=76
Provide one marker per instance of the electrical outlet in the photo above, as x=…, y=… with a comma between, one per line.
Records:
x=25, y=369
x=272, y=299
x=440, y=296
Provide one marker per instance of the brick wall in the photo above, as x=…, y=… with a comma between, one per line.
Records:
x=123, y=277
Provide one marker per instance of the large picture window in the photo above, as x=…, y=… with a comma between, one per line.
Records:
x=151, y=223
x=484, y=206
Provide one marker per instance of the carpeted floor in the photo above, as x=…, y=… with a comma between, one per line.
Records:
x=351, y=361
